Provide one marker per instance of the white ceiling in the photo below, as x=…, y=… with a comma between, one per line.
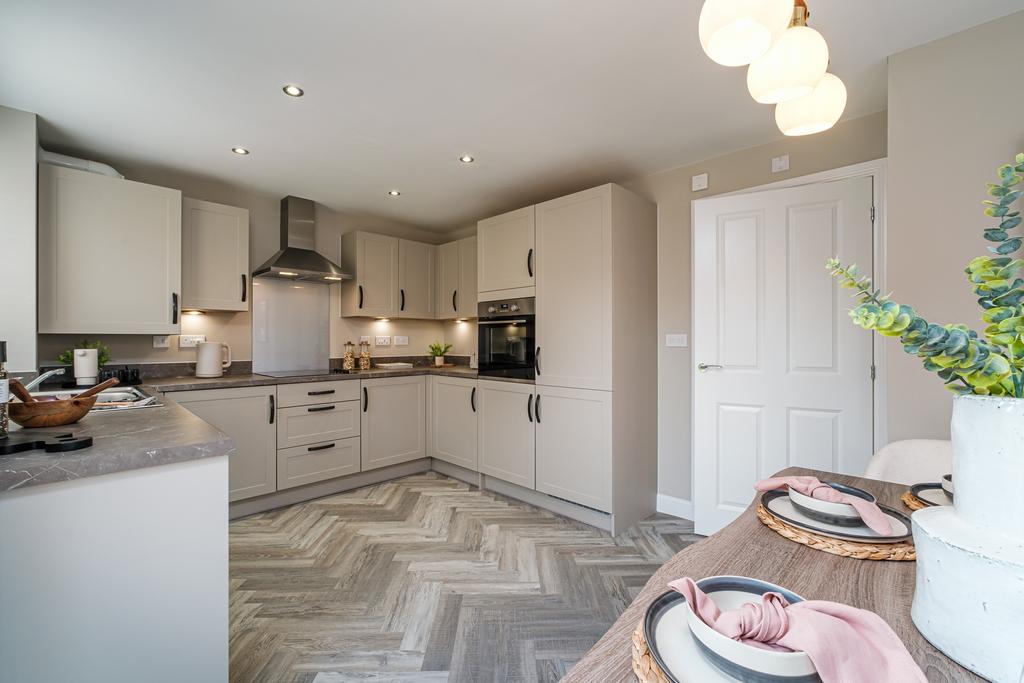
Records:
x=549, y=95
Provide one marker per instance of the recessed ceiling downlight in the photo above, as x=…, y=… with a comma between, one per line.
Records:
x=466, y=159
x=292, y=90
x=240, y=151
x=394, y=193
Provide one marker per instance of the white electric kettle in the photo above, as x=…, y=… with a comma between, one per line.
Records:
x=210, y=360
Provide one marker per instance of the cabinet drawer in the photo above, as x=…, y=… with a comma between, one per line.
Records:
x=301, y=425
x=309, y=393
x=307, y=464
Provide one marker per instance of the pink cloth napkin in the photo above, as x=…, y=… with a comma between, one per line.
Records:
x=811, y=486
x=846, y=644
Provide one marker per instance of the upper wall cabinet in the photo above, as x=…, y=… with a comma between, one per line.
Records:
x=505, y=255
x=215, y=256
x=109, y=254
x=393, y=278
x=456, y=266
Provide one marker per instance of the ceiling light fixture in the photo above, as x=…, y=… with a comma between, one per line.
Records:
x=394, y=193
x=240, y=150
x=813, y=113
x=736, y=32
x=466, y=159
x=793, y=65
x=292, y=90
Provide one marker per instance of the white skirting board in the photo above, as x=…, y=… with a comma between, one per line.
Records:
x=677, y=507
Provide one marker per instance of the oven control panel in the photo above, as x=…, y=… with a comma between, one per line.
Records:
x=506, y=307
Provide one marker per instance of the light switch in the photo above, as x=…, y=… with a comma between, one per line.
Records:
x=189, y=341
x=161, y=341
x=383, y=341
x=675, y=340
x=401, y=341
x=780, y=164
x=699, y=182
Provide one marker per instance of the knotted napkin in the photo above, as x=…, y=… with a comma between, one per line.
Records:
x=846, y=644
x=811, y=486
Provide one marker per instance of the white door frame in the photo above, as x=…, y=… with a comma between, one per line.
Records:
x=876, y=169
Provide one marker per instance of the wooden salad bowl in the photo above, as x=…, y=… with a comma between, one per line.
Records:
x=50, y=413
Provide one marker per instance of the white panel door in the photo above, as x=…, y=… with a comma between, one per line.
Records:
x=787, y=377
x=506, y=431
x=377, y=275
x=416, y=262
x=393, y=428
x=574, y=445
x=452, y=423
x=505, y=257
x=214, y=256
x=574, y=294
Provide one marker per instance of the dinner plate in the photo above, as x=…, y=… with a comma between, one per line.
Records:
x=673, y=646
x=931, y=494
x=778, y=503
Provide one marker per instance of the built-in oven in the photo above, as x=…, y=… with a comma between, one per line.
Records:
x=507, y=337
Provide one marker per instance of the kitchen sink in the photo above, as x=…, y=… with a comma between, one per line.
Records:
x=114, y=398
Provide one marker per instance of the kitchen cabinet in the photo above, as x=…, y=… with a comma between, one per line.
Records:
x=214, y=256
x=457, y=279
x=109, y=254
x=574, y=445
x=373, y=262
x=393, y=424
x=248, y=415
x=416, y=280
x=452, y=420
x=506, y=425
x=505, y=255
x=309, y=464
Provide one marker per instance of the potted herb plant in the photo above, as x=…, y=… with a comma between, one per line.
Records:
x=970, y=558
x=437, y=350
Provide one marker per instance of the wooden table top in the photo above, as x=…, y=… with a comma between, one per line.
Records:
x=748, y=548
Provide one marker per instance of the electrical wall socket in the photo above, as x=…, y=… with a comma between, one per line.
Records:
x=368, y=340
x=401, y=341
x=675, y=340
x=383, y=341
x=189, y=341
x=161, y=341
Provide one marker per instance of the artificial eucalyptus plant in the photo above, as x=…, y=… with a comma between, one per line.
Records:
x=989, y=366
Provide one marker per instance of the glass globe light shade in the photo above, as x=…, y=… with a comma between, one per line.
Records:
x=736, y=32
x=813, y=113
x=791, y=68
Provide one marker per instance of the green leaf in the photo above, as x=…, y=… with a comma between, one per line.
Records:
x=1010, y=223
x=1009, y=246
x=995, y=235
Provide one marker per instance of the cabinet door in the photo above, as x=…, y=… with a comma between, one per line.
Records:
x=248, y=416
x=448, y=280
x=506, y=431
x=574, y=294
x=466, y=296
x=574, y=445
x=377, y=275
x=214, y=256
x=505, y=256
x=109, y=254
x=452, y=420
x=393, y=421
x=416, y=262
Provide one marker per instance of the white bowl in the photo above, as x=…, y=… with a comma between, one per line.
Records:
x=833, y=513
x=947, y=484
x=742, y=661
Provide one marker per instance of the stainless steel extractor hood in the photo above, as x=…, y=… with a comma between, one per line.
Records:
x=297, y=259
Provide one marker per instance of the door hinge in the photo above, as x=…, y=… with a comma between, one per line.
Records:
x=874, y=373
x=872, y=213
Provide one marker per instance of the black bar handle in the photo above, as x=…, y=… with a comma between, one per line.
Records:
x=320, y=409
x=360, y=296
x=271, y=408
x=366, y=400
x=455, y=308
x=538, y=409
x=536, y=361
x=174, y=308
x=529, y=407
x=245, y=289
x=529, y=262
x=321, y=448
x=325, y=392
x=401, y=306
x=472, y=399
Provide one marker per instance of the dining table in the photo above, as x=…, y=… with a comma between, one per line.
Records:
x=746, y=547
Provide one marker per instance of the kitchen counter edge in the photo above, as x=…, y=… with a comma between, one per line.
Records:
x=173, y=384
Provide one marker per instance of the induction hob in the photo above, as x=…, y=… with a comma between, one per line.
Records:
x=319, y=372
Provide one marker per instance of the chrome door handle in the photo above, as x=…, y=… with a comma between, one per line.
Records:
x=704, y=367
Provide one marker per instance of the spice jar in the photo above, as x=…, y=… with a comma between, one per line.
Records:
x=348, y=360
x=364, y=355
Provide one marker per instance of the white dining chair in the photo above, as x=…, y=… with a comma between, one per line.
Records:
x=913, y=461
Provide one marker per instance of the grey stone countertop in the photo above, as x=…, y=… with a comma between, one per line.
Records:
x=122, y=441
x=171, y=384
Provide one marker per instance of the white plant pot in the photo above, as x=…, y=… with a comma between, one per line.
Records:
x=438, y=361
x=969, y=596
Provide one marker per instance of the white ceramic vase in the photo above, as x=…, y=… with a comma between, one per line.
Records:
x=969, y=597
x=439, y=361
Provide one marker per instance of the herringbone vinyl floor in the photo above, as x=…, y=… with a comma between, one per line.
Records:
x=428, y=579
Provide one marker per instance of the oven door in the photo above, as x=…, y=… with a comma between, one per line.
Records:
x=506, y=346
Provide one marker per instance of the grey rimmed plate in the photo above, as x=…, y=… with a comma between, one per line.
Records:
x=778, y=503
x=931, y=494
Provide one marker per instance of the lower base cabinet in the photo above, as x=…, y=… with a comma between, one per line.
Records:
x=248, y=416
x=574, y=445
x=452, y=421
x=393, y=418
x=506, y=431
x=300, y=465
